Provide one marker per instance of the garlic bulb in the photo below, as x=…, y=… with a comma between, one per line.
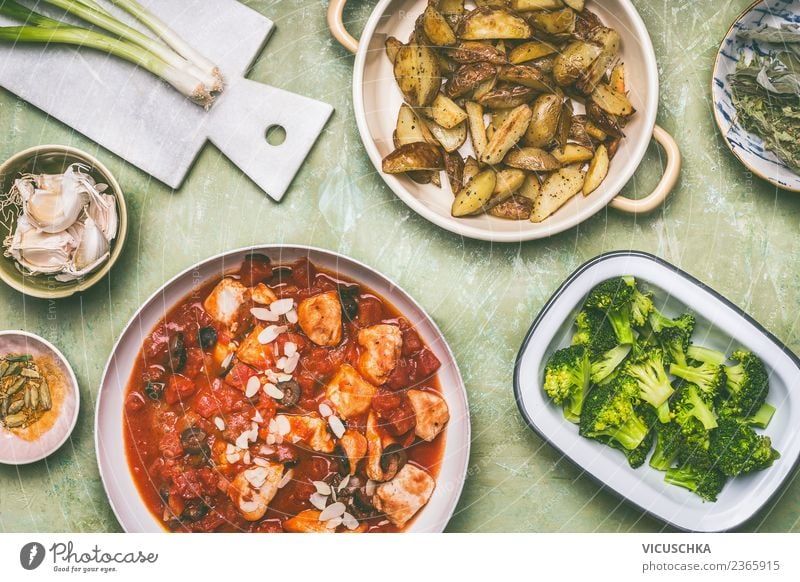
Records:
x=66, y=225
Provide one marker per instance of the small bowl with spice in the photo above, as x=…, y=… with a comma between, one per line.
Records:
x=63, y=221
x=39, y=398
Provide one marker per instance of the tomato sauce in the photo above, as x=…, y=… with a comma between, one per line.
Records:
x=185, y=404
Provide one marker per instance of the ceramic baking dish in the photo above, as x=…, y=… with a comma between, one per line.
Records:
x=720, y=325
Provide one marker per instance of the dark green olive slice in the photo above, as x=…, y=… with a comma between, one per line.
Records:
x=154, y=390
x=194, y=512
x=291, y=393
x=177, y=352
x=193, y=440
x=207, y=337
x=392, y=460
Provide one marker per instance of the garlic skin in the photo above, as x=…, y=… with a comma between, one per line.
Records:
x=66, y=225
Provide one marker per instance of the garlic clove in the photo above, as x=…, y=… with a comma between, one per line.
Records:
x=38, y=251
x=92, y=246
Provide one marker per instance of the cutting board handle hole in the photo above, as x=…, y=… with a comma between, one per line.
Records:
x=276, y=135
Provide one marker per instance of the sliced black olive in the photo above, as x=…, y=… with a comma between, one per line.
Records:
x=392, y=460
x=163, y=493
x=194, y=512
x=291, y=393
x=177, y=352
x=193, y=440
x=207, y=337
x=197, y=459
x=281, y=274
x=342, y=460
x=361, y=505
x=348, y=298
x=154, y=390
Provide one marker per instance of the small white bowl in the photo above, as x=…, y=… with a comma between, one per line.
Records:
x=376, y=100
x=17, y=451
x=131, y=511
x=720, y=325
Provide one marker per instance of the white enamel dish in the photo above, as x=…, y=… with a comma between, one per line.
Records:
x=747, y=147
x=720, y=325
x=376, y=100
x=131, y=511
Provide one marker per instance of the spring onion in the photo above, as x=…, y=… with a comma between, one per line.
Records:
x=180, y=66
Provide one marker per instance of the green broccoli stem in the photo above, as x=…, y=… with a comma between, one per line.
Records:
x=608, y=362
x=762, y=417
x=700, y=410
x=661, y=460
x=629, y=435
x=621, y=324
x=664, y=414
x=706, y=355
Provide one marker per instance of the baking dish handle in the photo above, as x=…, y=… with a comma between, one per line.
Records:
x=664, y=187
x=336, y=24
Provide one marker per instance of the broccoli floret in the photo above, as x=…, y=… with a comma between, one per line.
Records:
x=695, y=443
x=762, y=417
x=654, y=387
x=669, y=441
x=566, y=379
x=594, y=331
x=709, y=378
x=675, y=340
x=641, y=303
x=609, y=413
x=707, y=355
x=747, y=385
x=614, y=298
x=736, y=448
x=707, y=483
x=606, y=363
x=638, y=456
x=691, y=404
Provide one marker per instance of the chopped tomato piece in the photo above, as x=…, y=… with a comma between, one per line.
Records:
x=303, y=273
x=194, y=362
x=239, y=375
x=255, y=268
x=170, y=445
x=370, y=311
x=134, y=402
x=178, y=388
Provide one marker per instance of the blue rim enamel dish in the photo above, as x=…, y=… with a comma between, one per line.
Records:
x=747, y=147
x=720, y=325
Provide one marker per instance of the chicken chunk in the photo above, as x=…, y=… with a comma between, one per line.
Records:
x=382, y=345
x=312, y=430
x=226, y=300
x=253, y=353
x=263, y=294
x=354, y=445
x=306, y=522
x=402, y=497
x=374, y=449
x=431, y=411
x=320, y=318
x=252, y=490
x=349, y=392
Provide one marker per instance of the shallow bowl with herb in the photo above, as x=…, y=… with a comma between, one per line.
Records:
x=57, y=160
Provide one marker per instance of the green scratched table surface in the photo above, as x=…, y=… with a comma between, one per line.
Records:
x=721, y=224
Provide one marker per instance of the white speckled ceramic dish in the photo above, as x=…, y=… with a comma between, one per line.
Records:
x=15, y=450
x=749, y=148
x=376, y=99
x=130, y=509
x=722, y=326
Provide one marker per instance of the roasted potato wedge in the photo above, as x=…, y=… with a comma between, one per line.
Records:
x=493, y=23
x=508, y=181
x=418, y=75
x=531, y=5
x=454, y=168
x=506, y=97
x=564, y=123
x=475, y=194
x=468, y=77
x=484, y=89
x=446, y=112
x=546, y=112
x=557, y=188
x=477, y=52
x=413, y=157
x=595, y=132
x=598, y=169
x=532, y=159
x=436, y=28
x=576, y=5
x=526, y=76
x=507, y=136
x=577, y=132
x=497, y=119
x=572, y=153
x=603, y=120
x=477, y=130
x=471, y=169
x=531, y=188
x=612, y=102
x=529, y=51
x=392, y=48
x=610, y=42
x=450, y=139
x=491, y=3
x=617, y=79
x=558, y=22
x=409, y=129
x=426, y=177
x=574, y=61
x=515, y=208
x=451, y=7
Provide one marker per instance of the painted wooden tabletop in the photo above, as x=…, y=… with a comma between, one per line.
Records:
x=722, y=225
